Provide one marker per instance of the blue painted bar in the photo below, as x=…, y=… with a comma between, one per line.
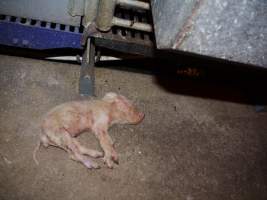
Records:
x=37, y=37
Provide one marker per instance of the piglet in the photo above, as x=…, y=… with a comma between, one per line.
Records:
x=65, y=122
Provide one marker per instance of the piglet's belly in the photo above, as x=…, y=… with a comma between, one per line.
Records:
x=76, y=127
x=73, y=125
x=74, y=130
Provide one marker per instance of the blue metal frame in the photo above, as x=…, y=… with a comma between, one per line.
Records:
x=18, y=34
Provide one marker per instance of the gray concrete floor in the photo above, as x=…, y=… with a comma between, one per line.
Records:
x=186, y=148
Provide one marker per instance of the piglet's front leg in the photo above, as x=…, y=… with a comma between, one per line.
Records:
x=108, y=148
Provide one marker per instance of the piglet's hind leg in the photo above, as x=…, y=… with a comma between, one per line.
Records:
x=73, y=148
x=86, y=151
x=64, y=141
x=84, y=160
x=106, y=144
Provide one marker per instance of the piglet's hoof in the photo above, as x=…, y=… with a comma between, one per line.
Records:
x=91, y=165
x=108, y=161
x=98, y=154
x=115, y=157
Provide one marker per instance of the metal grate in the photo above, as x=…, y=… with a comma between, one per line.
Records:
x=133, y=15
x=127, y=40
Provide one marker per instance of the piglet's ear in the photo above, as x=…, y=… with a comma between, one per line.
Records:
x=122, y=101
x=111, y=96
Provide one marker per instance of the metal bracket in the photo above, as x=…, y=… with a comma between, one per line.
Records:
x=260, y=108
x=87, y=76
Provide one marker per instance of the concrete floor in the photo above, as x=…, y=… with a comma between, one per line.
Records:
x=186, y=148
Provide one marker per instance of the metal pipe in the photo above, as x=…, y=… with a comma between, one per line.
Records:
x=90, y=12
x=105, y=14
x=131, y=24
x=134, y=4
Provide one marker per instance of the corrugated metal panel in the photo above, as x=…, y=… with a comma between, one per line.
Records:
x=226, y=29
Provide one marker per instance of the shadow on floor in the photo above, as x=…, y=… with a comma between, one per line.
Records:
x=202, y=77
x=184, y=74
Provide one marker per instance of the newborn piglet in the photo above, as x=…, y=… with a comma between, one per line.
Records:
x=65, y=122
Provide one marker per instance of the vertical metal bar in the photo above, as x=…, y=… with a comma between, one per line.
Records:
x=137, y=33
x=123, y=30
x=48, y=25
x=90, y=12
x=105, y=14
x=87, y=75
x=127, y=16
x=119, y=29
x=28, y=21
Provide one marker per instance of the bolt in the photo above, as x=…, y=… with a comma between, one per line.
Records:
x=15, y=40
x=25, y=42
x=87, y=77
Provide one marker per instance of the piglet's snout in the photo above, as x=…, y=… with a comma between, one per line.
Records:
x=137, y=117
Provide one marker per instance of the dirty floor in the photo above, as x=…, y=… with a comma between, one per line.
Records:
x=187, y=148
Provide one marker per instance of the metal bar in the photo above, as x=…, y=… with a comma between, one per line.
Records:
x=131, y=24
x=105, y=14
x=87, y=74
x=90, y=12
x=134, y=4
x=125, y=47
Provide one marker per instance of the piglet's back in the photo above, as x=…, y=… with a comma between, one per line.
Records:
x=68, y=112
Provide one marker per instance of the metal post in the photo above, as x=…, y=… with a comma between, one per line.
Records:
x=90, y=12
x=87, y=76
x=105, y=14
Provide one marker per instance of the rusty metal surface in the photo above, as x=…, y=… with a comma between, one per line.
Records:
x=226, y=29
